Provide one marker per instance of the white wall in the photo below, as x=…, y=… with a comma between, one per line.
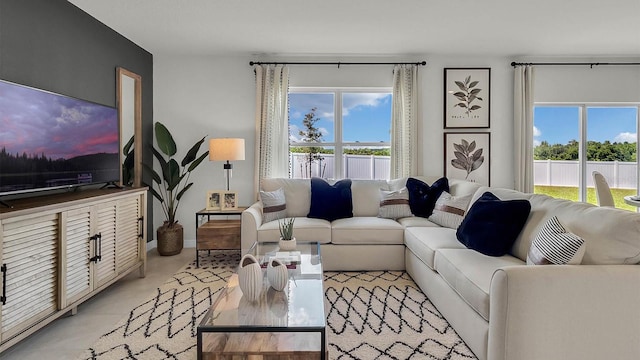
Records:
x=586, y=84
x=215, y=96
x=211, y=97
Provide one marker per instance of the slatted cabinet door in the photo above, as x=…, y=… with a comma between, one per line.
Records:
x=128, y=232
x=30, y=254
x=105, y=264
x=78, y=273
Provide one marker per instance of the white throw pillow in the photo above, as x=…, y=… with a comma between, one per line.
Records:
x=450, y=210
x=394, y=204
x=554, y=245
x=274, y=206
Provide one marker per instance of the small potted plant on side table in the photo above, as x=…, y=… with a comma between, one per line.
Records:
x=287, y=241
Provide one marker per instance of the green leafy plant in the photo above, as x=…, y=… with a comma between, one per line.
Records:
x=468, y=93
x=466, y=158
x=286, y=228
x=174, y=181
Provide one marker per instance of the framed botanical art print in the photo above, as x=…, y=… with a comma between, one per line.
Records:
x=467, y=93
x=466, y=156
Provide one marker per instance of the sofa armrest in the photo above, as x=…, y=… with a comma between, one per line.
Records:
x=251, y=220
x=565, y=312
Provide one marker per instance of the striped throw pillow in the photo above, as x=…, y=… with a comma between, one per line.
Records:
x=394, y=204
x=450, y=210
x=274, y=206
x=555, y=245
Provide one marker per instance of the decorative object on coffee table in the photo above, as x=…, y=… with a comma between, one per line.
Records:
x=277, y=274
x=287, y=241
x=250, y=277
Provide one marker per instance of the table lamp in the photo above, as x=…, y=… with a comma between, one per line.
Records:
x=226, y=149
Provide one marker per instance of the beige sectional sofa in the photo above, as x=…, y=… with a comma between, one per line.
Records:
x=501, y=307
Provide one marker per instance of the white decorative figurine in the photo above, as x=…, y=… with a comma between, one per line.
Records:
x=250, y=277
x=277, y=274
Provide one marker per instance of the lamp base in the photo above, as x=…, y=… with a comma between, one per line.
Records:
x=228, y=168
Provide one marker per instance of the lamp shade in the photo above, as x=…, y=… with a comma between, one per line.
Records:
x=224, y=149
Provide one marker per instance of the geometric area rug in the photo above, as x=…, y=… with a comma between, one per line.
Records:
x=370, y=315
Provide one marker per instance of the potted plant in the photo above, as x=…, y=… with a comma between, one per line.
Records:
x=171, y=187
x=287, y=241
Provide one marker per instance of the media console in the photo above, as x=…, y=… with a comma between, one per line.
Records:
x=57, y=251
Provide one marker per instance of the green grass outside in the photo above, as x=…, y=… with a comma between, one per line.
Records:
x=571, y=193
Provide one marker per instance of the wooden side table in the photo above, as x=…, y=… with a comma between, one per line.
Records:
x=212, y=234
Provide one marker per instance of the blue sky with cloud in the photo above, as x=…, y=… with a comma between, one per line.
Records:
x=560, y=124
x=366, y=116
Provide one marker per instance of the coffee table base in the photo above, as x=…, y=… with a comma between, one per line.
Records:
x=261, y=346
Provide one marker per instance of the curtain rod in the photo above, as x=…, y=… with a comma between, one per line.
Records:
x=421, y=63
x=576, y=63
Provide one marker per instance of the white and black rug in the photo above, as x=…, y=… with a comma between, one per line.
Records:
x=371, y=315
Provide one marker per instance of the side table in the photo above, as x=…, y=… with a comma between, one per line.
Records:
x=212, y=234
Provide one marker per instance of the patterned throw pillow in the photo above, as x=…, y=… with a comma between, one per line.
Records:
x=554, y=245
x=449, y=210
x=394, y=204
x=274, y=206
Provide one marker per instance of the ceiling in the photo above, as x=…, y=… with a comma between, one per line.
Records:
x=593, y=28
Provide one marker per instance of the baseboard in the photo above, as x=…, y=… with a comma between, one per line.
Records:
x=191, y=243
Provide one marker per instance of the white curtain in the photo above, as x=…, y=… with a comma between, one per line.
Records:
x=404, y=118
x=272, y=123
x=523, y=86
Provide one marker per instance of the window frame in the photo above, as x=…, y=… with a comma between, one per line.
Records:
x=338, y=144
x=582, y=131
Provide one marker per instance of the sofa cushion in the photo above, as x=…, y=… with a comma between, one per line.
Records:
x=469, y=274
x=304, y=229
x=554, y=245
x=422, y=197
x=366, y=230
x=330, y=202
x=297, y=192
x=610, y=234
x=365, y=196
x=492, y=225
x=416, y=221
x=274, y=205
x=394, y=204
x=424, y=242
x=449, y=210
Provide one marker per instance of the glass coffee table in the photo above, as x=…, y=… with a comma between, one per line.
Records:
x=289, y=324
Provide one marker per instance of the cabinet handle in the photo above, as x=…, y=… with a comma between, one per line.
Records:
x=141, y=226
x=3, y=298
x=95, y=257
x=100, y=246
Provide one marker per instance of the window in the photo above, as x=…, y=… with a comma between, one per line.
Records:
x=340, y=133
x=571, y=141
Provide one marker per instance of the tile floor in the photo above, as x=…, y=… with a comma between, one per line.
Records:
x=68, y=336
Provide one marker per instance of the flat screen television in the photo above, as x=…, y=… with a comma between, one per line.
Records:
x=52, y=141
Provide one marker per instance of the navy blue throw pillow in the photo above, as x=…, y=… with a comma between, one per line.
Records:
x=491, y=225
x=422, y=197
x=330, y=202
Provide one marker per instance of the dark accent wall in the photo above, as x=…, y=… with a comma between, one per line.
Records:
x=55, y=46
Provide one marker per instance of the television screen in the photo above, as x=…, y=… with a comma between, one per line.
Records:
x=50, y=141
